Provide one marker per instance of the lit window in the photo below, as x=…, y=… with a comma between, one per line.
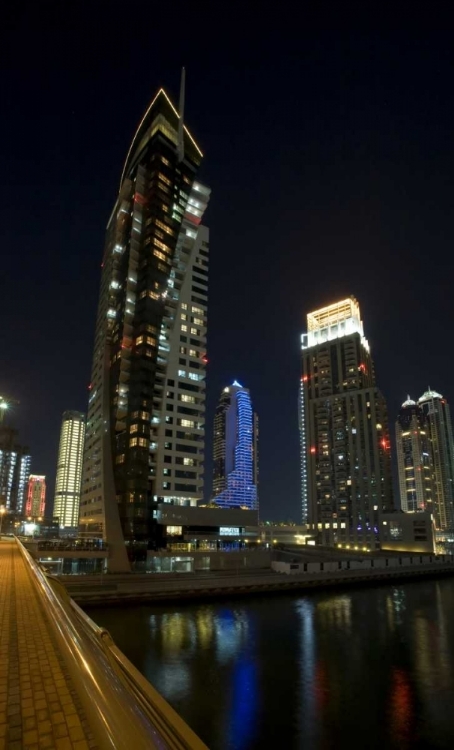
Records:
x=133, y=442
x=198, y=321
x=184, y=306
x=134, y=428
x=184, y=328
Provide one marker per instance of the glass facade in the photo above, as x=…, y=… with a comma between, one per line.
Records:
x=235, y=450
x=15, y=462
x=437, y=416
x=69, y=469
x=149, y=342
x=414, y=459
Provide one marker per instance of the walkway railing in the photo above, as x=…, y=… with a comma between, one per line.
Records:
x=124, y=711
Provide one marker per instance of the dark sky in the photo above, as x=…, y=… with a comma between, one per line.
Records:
x=330, y=158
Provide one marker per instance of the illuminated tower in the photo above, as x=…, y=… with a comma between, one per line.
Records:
x=235, y=450
x=435, y=409
x=36, y=496
x=345, y=448
x=15, y=463
x=413, y=458
x=145, y=426
x=69, y=469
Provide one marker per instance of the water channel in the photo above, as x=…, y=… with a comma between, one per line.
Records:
x=351, y=668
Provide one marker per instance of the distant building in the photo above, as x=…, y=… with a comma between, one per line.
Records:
x=345, y=446
x=436, y=412
x=235, y=450
x=69, y=469
x=413, y=448
x=36, y=496
x=146, y=421
x=15, y=461
x=405, y=532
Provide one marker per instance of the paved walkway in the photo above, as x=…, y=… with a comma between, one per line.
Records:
x=38, y=704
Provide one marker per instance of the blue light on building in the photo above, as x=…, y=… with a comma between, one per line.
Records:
x=235, y=473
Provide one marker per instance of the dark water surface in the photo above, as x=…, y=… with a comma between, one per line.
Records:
x=357, y=668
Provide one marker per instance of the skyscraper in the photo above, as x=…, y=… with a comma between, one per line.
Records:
x=436, y=412
x=145, y=425
x=15, y=463
x=69, y=469
x=413, y=458
x=36, y=496
x=345, y=448
x=235, y=450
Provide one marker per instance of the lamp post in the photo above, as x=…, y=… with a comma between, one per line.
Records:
x=2, y=513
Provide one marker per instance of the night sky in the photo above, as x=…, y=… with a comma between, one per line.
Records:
x=330, y=158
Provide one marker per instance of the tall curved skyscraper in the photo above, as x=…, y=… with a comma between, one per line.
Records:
x=145, y=427
x=436, y=413
x=414, y=461
x=235, y=450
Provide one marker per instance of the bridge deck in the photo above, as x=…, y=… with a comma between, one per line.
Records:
x=39, y=707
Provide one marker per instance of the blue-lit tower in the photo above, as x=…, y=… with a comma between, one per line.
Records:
x=235, y=450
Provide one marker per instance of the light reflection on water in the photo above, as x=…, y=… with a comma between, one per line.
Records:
x=358, y=668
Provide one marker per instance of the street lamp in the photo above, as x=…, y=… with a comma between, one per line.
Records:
x=2, y=513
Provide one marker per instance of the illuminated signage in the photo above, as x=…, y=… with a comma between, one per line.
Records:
x=229, y=531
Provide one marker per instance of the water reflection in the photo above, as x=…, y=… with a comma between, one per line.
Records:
x=369, y=667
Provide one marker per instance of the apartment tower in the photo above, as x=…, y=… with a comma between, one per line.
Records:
x=145, y=427
x=437, y=416
x=235, y=450
x=345, y=447
x=414, y=458
x=35, y=505
x=15, y=461
x=69, y=469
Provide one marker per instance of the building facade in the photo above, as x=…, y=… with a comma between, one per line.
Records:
x=235, y=450
x=145, y=426
x=35, y=505
x=413, y=459
x=344, y=436
x=69, y=469
x=437, y=417
x=15, y=461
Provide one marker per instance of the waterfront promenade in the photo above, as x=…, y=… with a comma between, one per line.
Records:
x=39, y=706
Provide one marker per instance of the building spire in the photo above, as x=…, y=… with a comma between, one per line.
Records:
x=180, y=148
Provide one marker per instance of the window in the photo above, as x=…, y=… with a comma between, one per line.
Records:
x=188, y=461
x=133, y=442
x=184, y=316
x=187, y=399
x=186, y=423
x=134, y=428
x=120, y=459
x=184, y=306
x=198, y=321
x=166, y=485
x=192, y=352
x=184, y=328
x=169, y=420
x=195, y=332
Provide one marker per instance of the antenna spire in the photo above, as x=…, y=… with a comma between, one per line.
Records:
x=180, y=148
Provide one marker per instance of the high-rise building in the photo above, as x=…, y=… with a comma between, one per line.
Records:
x=413, y=458
x=35, y=505
x=15, y=463
x=145, y=426
x=345, y=447
x=69, y=469
x=436, y=412
x=235, y=450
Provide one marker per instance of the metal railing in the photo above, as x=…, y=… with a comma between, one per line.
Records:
x=123, y=710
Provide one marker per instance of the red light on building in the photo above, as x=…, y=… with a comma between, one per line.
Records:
x=305, y=378
x=313, y=450
x=384, y=444
x=139, y=199
x=90, y=386
x=36, y=496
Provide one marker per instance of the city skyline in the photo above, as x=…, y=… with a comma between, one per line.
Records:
x=345, y=203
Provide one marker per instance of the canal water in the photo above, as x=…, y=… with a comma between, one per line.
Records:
x=352, y=668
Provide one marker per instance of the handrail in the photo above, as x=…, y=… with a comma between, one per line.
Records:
x=122, y=708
